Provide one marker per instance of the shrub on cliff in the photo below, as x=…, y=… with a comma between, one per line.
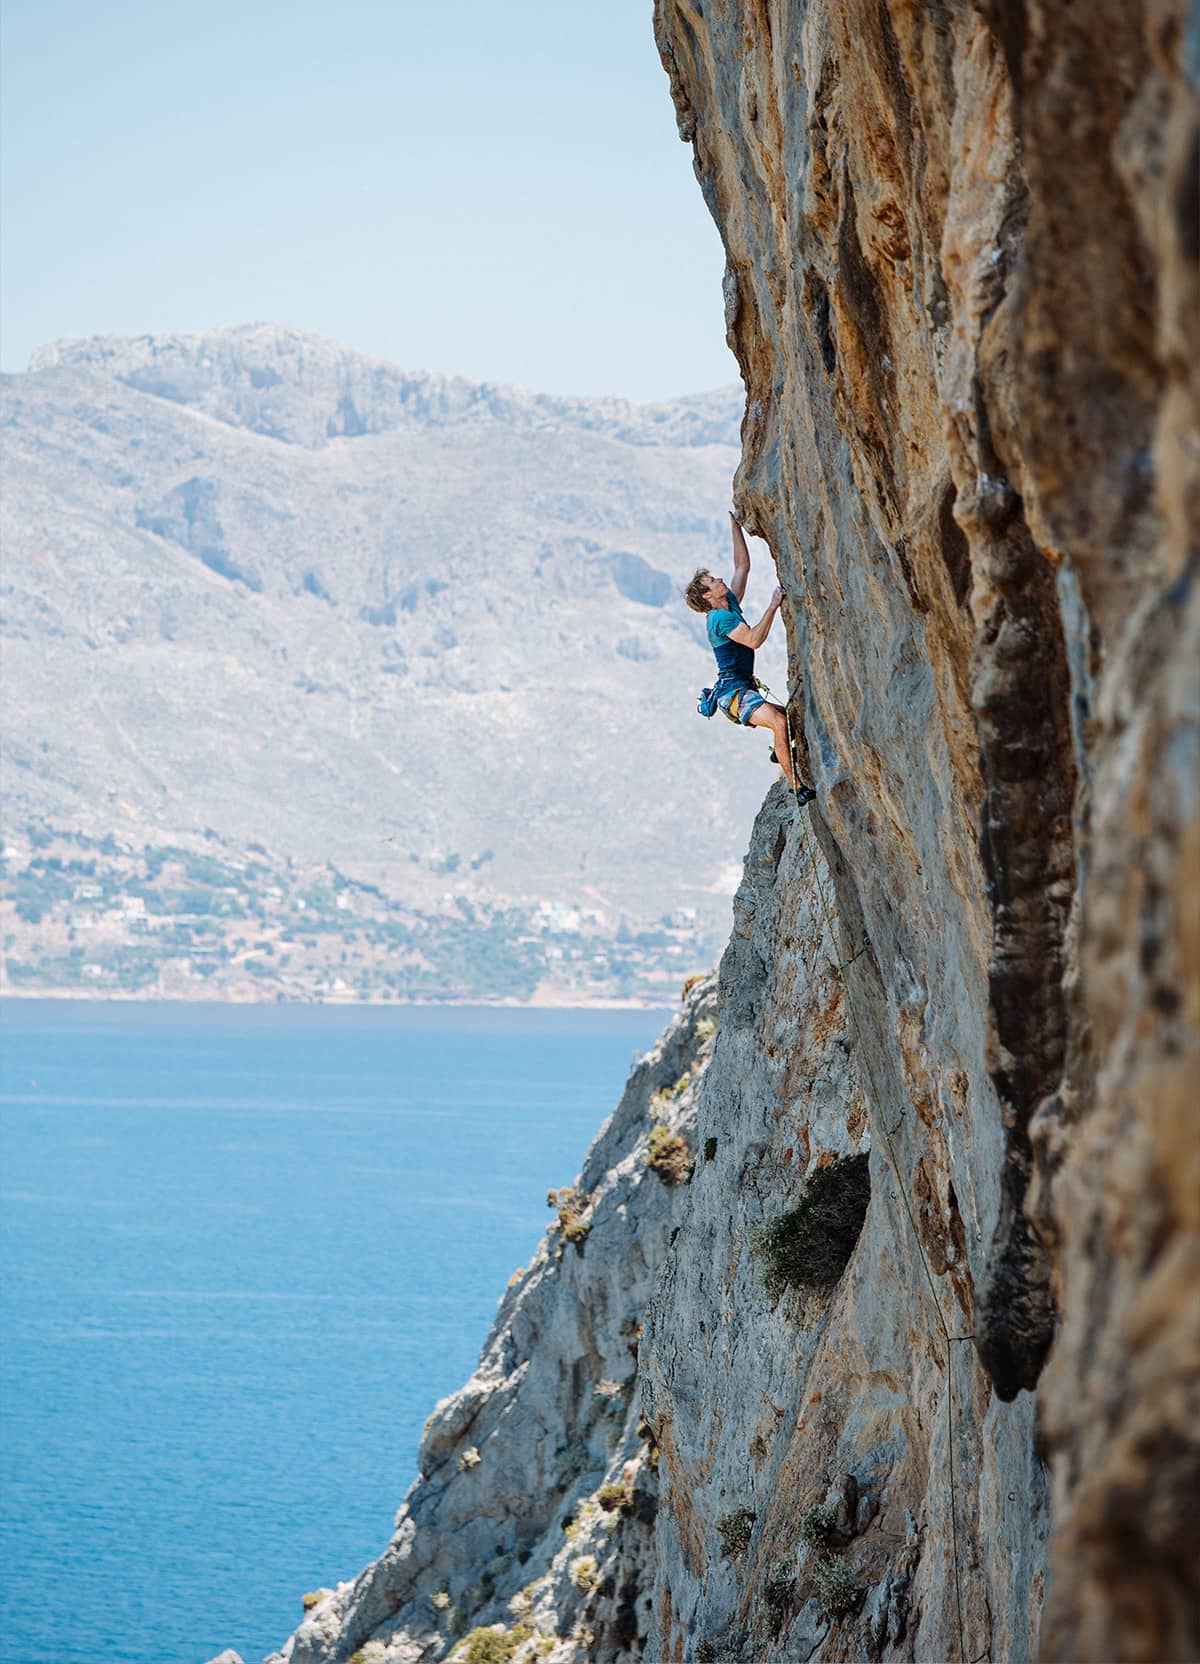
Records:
x=816, y=1525
x=570, y=1205
x=616, y=1497
x=372, y=1652
x=835, y=1586
x=670, y=1156
x=584, y=1571
x=491, y=1646
x=779, y=1592
x=646, y=1433
x=735, y=1529
x=661, y=1101
x=810, y=1245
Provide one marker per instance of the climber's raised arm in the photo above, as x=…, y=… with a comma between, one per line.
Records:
x=741, y=559
x=753, y=635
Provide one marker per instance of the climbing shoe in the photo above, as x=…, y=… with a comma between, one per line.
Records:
x=804, y=794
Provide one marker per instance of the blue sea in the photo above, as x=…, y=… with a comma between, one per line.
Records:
x=245, y=1250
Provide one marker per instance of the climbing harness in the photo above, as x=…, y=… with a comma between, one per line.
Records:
x=948, y=1339
x=709, y=702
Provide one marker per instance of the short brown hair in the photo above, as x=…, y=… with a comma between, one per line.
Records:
x=694, y=593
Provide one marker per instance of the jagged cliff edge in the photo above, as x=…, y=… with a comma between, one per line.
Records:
x=962, y=287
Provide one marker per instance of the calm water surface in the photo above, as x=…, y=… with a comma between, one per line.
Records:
x=245, y=1250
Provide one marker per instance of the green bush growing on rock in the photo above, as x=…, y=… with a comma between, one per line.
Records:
x=816, y=1525
x=778, y=1594
x=836, y=1588
x=614, y=1497
x=584, y=1571
x=731, y=1649
x=670, y=1156
x=810, y=1245
x=370, y=1653
x=570, y=1206
x=735, y=1529
x=647, y=1435
x=491, y=1646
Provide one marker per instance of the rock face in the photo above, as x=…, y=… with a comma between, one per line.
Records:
x=962, y=286
x=921, y=1355
x=852, y=1393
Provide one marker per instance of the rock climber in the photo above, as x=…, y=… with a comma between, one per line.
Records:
x=734, y=642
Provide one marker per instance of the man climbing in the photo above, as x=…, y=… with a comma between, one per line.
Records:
x=734, y=642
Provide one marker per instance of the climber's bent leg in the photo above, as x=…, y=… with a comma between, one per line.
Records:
x=775, y=718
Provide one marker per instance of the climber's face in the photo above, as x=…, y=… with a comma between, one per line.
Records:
x=717, y=592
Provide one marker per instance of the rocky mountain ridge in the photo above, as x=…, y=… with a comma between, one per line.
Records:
x=436, y=645
x=301, y=389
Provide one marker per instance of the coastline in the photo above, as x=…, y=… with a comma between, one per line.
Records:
x=547, y=1002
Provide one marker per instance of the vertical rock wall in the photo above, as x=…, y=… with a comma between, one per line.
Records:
x=962, y=287
x=855, y=1396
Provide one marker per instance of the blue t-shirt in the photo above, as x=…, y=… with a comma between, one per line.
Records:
x=735, y=661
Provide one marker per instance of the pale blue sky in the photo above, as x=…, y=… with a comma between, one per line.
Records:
x=492, y=189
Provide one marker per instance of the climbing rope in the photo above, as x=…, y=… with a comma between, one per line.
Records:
x=840, y=967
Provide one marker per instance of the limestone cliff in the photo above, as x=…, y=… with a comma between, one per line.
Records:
x=962, y=287
x=921, y=1335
